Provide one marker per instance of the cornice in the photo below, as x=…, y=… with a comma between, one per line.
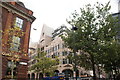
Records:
x=13, y=9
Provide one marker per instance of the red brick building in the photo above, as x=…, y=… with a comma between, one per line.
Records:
x=16, y=26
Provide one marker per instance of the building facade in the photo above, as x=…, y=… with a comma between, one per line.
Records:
x=16, y=26
x=51, y=43
x=32, y=53
x=45, y=37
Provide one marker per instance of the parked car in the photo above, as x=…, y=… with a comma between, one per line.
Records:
x=59, y=77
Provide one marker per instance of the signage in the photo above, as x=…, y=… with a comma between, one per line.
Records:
x=23, y=63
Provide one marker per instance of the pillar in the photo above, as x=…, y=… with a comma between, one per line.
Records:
x=5, y=40
x=36, y=75
x=7, y=27
x=60, y=71
x=27, y=36
x=74, y=74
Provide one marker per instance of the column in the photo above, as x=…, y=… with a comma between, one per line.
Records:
x=74, y=74
x=7, y=27
x=60, y=71
x=36, y=75
x=27, y=36
x=5, y=38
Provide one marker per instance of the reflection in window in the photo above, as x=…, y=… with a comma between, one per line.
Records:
x=15, y=43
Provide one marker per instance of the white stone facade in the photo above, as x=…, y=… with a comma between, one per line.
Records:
x=54, y=46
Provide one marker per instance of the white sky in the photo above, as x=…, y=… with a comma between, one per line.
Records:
x=54, y=13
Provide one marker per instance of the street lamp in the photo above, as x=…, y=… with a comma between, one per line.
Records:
x=75, y=66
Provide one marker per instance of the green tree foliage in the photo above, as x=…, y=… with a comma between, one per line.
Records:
x=44, y=64
x=97, y=29
x=111, y=57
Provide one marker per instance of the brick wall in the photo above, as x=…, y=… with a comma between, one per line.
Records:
x=8, y=17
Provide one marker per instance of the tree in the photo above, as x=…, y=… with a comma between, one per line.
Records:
x=111, y=58
x=96, y=29
x=44, y=64
x=8, y=49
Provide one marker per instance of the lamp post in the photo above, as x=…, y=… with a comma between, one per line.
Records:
x=75, y=65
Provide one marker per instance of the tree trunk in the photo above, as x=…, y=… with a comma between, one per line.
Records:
x=93, y=68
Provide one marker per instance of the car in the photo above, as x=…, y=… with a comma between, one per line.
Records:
x=61, y=74
x=54, y=78
x=57, y=78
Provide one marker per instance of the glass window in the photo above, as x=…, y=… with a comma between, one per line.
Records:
x=53, y=56
x=57, y=62
x=58, y=46
x=64, y=53
x=19, y=22
x=55, y=48
x=70, y=61
x=52, y=49
x=15, y=43
x=9, y=64
x=64, y=61
x=63, y=45
x=42, y=49
x=58, y=54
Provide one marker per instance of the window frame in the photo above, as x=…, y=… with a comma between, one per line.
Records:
x=19, y=22
x=16, y=43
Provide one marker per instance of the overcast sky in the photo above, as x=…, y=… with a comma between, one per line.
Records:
x=55, y=12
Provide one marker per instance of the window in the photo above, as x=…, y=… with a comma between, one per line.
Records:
x=19, y=22
x=57, y=62
x=58, y=46
x=48, y=51
x=70, y=61
x=42, y=40
x=42, y=34
x=9, y=64
x=64, y=61
x=58, y=54
x=53, y=56
x=63, y=46
x=55, y=48
x=15, y=43
x=42, y=48
x=64, y=53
